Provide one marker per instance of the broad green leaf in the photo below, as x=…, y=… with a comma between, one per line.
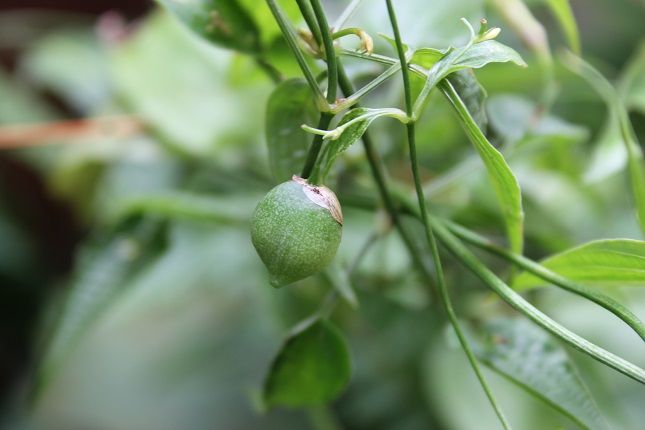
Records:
x=350, y=129
x=504, y=182
x=223, y=22
x=613, y=262
x=104, y=269
x=312, y=367
x=290, y=105
x=472, y=94
x=532, y=359
x=635, y=163
x=561, y=9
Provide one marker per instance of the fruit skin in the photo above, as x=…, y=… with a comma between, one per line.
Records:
x=294, y=236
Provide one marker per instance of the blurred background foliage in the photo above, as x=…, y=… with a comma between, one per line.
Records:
x=140, y=316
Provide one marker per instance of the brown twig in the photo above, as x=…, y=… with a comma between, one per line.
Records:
x=69, y=131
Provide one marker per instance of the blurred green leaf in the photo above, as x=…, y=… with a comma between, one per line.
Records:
x=529, y=357
x=73, y=65
x=180, y=88
x=472, y=94
x=632, y=84
x=19, y=103
x=562, y=11
x=312, y=367
x=223, y=22
x=618, y=113
x=104, y=269
x=613, y=262
x=340, y=280
x=290, y=105
x=516, y=118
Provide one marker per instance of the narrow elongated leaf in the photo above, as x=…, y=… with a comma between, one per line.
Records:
x=506, y=186
x=312, y=368
x=223, y=22
x=472, y=94
x=532, y=359
x=102, y=272
x=290, y=105
x=614, y=262
x=635, y=163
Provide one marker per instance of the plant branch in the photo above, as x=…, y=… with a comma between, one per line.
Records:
x=69, y=131
x=544, y=273
x=308, y=14
x=290, y=36
x=378, y=174
x=440, y=281
x=521, y=305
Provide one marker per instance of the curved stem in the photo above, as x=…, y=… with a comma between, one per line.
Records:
x=542, y=272
x=443, y=289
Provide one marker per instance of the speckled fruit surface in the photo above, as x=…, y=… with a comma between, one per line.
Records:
x=293, y=236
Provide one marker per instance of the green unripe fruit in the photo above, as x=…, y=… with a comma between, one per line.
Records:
x=296, y=230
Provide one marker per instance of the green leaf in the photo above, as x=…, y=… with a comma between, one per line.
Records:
x=312, y=367
x=472, y=94
x=483, y=53
x=350, y=129
x=635, y=163
x=104, y=269
x=223, y=22
x=632, y=82
x=531, y=358
x=473, y=56
x=613, y=262
x=506, y=186
x=340, y=280
x=72, y=63
x=427, y=57
x=290, y=105
x=513, y=118
x=561, y=9
x=181, y=89
x=392, y=42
